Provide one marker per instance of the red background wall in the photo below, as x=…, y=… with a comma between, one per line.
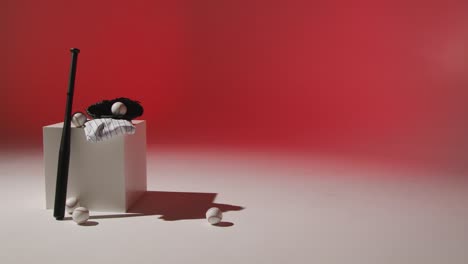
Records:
x=381, y=78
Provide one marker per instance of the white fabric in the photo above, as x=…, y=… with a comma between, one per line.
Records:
x=106, y=128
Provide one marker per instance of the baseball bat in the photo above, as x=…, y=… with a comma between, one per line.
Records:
x=64, y=152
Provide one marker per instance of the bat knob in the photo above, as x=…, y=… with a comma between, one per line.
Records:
x=75, y=50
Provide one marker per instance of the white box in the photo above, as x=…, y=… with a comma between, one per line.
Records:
x=107, y=176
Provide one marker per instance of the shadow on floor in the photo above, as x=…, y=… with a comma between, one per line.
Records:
x=91, y=223
x=172, y=206
x=224, y=224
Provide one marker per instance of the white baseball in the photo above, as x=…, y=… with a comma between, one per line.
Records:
x=78, y=119
x=214, y=215
x=118, y=108
x=71, y=204
x=80, y=215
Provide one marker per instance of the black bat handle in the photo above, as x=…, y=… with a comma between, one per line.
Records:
x=64, y=152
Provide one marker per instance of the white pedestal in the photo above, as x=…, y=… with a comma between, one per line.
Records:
x=105, y=176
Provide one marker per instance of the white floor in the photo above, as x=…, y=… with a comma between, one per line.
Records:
x=280, y=211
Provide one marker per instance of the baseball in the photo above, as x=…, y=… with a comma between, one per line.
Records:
x=214, y=215
x=80, y=215
x=71, y=204
x=118, y=108
x=78, y=119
